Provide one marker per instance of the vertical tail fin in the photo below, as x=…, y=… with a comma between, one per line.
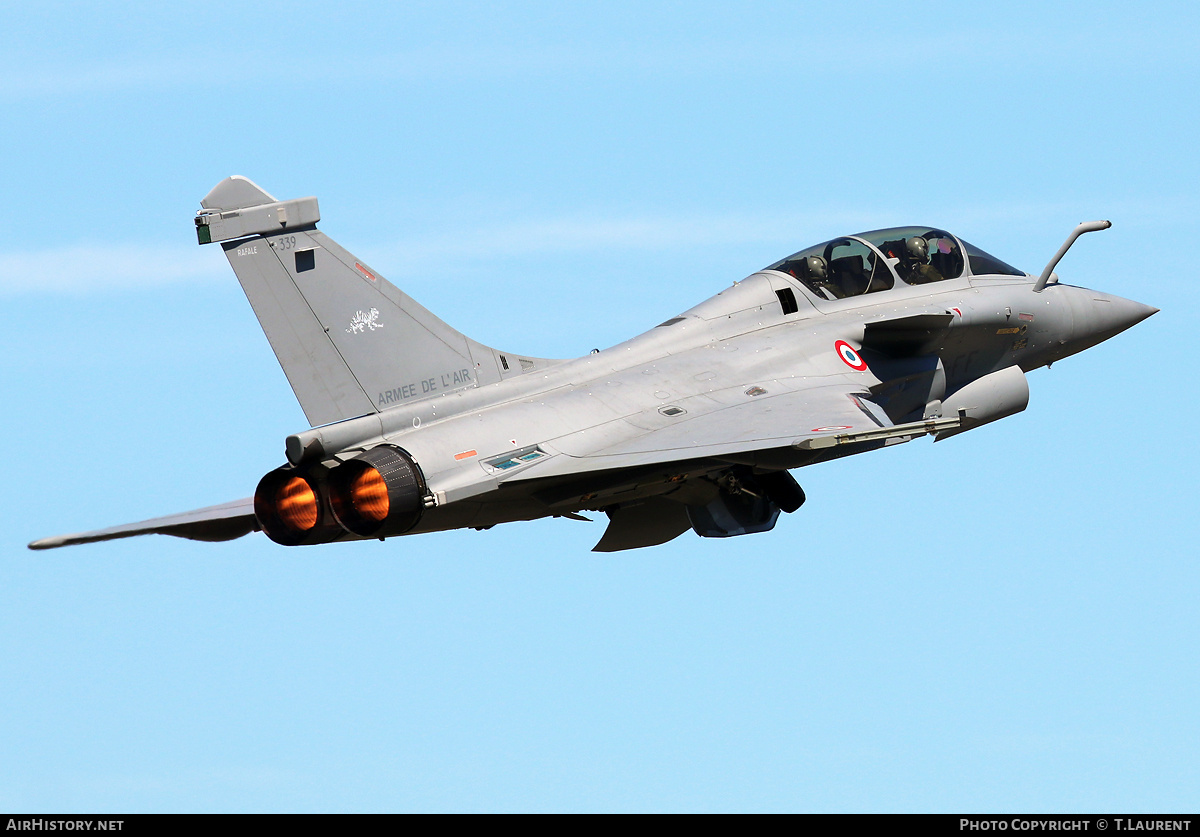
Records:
x=349, y=341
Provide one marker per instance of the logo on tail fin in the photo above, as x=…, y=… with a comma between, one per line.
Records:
x=361, y=321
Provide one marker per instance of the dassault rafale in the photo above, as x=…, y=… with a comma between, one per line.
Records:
x=848, y=346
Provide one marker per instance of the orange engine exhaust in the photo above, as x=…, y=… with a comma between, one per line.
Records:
x=296, y=504
x=378, y=493
x=289, y=506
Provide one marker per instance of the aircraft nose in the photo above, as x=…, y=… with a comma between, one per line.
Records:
x=1099, y=316
x=1113, y=314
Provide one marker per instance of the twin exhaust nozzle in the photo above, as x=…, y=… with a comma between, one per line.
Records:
x=380, y=492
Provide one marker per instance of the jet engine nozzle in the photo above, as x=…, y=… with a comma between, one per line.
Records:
x=289, y=506
x=380, y=492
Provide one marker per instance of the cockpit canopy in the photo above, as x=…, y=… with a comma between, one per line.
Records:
x=873, y=261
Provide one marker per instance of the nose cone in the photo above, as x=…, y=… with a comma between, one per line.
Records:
x=1113, y=314
x=1099, y=316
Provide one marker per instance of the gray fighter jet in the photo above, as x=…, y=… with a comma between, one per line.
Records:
x=861, y=342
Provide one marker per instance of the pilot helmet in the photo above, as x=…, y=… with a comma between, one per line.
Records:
x=816, y=268
x=917, y=248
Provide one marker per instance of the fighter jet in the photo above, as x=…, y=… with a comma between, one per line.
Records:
x=845, y=347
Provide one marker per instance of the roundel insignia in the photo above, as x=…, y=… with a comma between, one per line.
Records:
x=831, y=427
x=850, y=357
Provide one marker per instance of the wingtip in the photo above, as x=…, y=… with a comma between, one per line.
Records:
x=47, y=543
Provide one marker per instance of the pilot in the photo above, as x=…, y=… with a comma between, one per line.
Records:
x=914, y=262
x=816, y=276
x=816, y=269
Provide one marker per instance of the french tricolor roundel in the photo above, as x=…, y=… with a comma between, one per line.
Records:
x=849, y=356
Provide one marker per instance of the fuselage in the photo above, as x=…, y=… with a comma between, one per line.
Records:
x=769, y=331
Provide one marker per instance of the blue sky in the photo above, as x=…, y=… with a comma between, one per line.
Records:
x=1004, y=621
